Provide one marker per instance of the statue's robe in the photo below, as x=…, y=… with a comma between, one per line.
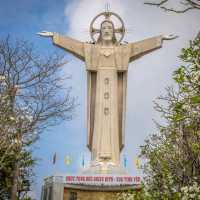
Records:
x=107, y=79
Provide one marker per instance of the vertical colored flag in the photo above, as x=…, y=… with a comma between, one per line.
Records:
x=125, y=161
x=67, y=160
x=137, y=163
x=54, y=158
x=83, y=161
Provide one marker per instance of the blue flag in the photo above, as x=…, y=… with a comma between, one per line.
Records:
x=125, y=161
x=83, y=161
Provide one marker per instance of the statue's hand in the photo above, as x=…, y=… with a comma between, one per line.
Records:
x=169, y=37
x=45, y=34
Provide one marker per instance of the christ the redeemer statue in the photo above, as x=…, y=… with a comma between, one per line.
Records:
x=107, y=64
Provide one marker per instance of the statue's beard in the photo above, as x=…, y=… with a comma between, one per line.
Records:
x=107, y=38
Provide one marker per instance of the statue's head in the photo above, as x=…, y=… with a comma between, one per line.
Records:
x=107, y=32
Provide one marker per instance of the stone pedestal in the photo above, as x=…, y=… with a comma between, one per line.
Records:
x=86, y=187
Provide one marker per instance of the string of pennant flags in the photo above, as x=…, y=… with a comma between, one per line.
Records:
x=68, y=161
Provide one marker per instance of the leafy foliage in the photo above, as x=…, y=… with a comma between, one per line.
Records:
x=173, y=154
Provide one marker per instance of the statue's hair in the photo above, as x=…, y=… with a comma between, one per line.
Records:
x=114, y=39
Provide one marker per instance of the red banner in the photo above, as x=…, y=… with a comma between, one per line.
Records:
x=105, y=180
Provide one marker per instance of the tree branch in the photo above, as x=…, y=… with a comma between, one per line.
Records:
x=190, y=5
x=156, y=4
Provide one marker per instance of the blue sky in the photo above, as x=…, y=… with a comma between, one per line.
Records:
x=147, y=77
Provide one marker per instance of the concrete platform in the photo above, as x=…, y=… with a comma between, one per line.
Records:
x=82, y=187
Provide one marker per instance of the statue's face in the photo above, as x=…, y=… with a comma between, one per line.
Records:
x=107, y=31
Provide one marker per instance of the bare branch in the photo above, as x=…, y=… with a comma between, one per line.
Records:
x=32, y=98
x=156, y=4
x=189, y=5
x=176, y=11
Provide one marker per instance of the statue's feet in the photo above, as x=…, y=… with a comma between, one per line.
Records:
x=104, y=168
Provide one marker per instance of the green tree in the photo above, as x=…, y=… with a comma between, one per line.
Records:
x=32, y=98
x=173, y=153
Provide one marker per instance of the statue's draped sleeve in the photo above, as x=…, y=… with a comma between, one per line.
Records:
x=71, y=45
x=145, y=46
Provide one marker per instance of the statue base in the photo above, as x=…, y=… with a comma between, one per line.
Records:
x=103, y=168
x=87, y=187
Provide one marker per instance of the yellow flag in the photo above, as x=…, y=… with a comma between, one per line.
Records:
x=137, y=163
x=67, y=160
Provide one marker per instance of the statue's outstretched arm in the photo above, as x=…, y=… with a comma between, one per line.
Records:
x=71, y=45
x=145, y=46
